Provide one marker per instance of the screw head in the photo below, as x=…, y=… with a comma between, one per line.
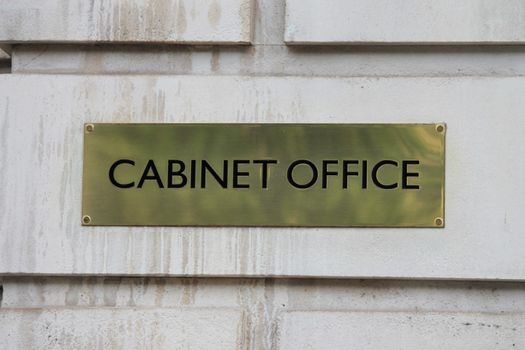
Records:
x=438, y=221
x=90, y=127
x=86, y=219
x=440, y=128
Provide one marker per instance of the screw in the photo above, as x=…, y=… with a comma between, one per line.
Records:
x=438, y=221
x=86, y=219
x=90, y=127
x=440, y=128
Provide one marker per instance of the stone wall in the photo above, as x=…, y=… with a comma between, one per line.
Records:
x=68, y=286
x=207, y=313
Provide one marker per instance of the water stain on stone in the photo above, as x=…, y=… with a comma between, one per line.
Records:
x=93, y=63
x=215, y=61
x=72, y=294
x=214, y=14
x=181, y=18
x=111, y=287
x=160, y=291
x=190, y=287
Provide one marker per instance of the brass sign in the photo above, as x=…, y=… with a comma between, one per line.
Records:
x=336, y=175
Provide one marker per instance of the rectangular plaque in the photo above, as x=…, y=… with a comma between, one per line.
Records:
x=332, y=175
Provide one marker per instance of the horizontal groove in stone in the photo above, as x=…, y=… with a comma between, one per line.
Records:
x=272, y=60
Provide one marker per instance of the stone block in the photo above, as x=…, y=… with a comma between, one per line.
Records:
x=441, y=22
x=138, y=21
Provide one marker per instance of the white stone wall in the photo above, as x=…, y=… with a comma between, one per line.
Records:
x=68, y=286
x=43, y=206
x=161, y=21
x=405, y=22
x=160, y=313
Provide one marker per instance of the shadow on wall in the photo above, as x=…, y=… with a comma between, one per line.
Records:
x=5, y=62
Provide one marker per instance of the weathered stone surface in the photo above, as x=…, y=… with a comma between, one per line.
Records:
x=40, y=209
x=276, y=60
x=160, y=21
x=281, y=295
x=401, y=330
x=123, y=328
x=473, y=88
x=87, y=313
x=404, y=22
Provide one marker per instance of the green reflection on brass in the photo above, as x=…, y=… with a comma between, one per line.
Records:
x=280, y=204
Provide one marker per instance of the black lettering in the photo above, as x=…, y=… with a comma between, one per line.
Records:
x=150, y=166
x=112, y=173
x=347, y=172
x=364, y=178
x=292, y=167
x=375, y=171
x=193, y=166
x=327, y=173
x=237, y=173
x=221, y=181
x=264, y=175
x=405, y=175
x=179, y=173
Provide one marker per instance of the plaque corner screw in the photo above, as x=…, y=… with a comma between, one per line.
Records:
x=438, y=221
x=440, y=128
x=90, y=128
x=86, y=219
